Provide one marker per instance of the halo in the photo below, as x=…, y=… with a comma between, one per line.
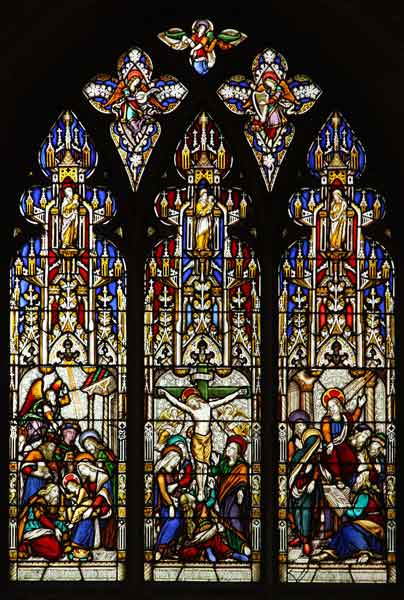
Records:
x=332, y=393
x=46, y=370
x=89, y=433
x=208, y=24
x=70, y=477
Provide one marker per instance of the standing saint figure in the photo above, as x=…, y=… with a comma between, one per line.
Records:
x=70, y=218
x=204, y=224
x=338, y=209
x=201, y=439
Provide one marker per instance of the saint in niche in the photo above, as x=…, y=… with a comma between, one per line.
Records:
x=204, y=221
x=338, y=220
x=70, y=218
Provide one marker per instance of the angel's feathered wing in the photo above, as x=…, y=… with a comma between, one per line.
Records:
x=135, y=139
x=174, y=38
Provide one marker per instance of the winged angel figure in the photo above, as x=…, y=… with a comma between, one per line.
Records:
x=136, y=100
x=202, y=43
x=267, y=102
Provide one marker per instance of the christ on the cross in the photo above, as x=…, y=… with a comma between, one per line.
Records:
x=200, y=410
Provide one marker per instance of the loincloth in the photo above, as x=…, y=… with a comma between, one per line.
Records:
x=201, y=447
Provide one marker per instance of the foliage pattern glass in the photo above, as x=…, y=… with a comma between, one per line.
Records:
x=337, y=433
x=68, y=374
x=202, y=376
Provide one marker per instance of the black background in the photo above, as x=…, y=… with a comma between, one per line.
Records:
x=49, y=50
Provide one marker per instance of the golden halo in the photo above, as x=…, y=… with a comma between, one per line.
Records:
x=332, y=393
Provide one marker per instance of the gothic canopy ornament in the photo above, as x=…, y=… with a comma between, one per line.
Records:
x=337, y=358
x=67, y=357
x=136, y=101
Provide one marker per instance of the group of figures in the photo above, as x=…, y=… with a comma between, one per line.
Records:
x=336, y=377
x=202, y=346
x=337, y=468
x=202, y=500
x=68, y=369
x=67, y=479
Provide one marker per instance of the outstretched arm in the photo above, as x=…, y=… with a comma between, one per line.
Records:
x=225, y=400
x=175, y=402
x=356, y=413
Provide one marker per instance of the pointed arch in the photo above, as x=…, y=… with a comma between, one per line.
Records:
x=202, y=376
x=68, y=374
x=336, y=326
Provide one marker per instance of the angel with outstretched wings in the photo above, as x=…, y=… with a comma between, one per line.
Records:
x=202, y=43
x=268, y=100
x=136, y=100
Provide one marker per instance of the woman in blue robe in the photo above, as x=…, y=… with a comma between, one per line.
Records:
x=93, y=507
x=164, y=503
x=363, y=534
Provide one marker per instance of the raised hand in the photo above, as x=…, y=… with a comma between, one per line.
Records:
x=361, y=401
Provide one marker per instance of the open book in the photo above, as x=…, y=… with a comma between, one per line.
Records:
x=338, y=499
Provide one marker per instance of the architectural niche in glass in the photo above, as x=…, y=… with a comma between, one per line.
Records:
x=68, y=375
x=202, y=376
x=336, y=377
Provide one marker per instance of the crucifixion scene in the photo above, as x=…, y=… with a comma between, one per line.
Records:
x=202, y=406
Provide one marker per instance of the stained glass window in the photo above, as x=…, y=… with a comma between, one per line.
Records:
x=202, y=432
x=203, y=465
x=267, y=101
x=202, y=43
x=336, y=377
x=136, y=101
x=67, y=477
